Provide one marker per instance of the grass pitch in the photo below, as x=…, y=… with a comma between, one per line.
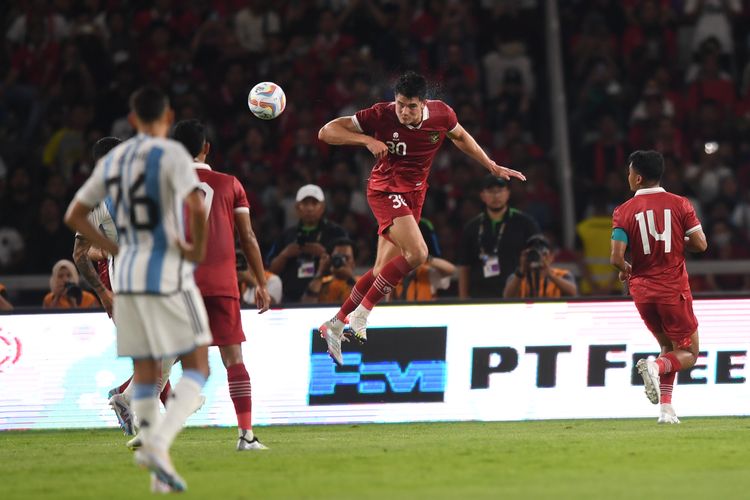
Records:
x=701, y=458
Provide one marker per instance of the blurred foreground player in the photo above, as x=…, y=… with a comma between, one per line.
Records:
x=404, y=137
x=158, y=309
x=99, y=280
x=658, y=227
x=216, y=276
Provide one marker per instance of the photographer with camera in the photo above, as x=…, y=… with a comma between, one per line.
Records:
x=296, y=255
x=335, y=278
x=535, y=276
x=65, y=292
x=492, y=243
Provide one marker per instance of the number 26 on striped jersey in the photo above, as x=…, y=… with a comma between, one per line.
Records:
x=143, y=211
x=647, y=227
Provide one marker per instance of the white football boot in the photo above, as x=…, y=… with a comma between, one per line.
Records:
x=333, y=331
x=649, y=371
x=667, y=415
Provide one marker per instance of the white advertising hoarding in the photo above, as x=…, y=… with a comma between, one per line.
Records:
x=421, y=363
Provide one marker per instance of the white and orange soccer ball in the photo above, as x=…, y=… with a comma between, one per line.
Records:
x=266, y=100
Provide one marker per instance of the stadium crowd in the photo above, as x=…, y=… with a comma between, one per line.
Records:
x=668, y=75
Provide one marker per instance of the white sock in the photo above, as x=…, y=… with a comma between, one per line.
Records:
x=246, y=433
x=166, y=369
x=362, y=310
x=128, y=392
x=181, y=405
x=149, y=416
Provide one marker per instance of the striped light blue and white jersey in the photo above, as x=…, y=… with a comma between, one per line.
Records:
x=146, y=180
x=101, y=217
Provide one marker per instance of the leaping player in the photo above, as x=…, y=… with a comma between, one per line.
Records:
x=403, y=136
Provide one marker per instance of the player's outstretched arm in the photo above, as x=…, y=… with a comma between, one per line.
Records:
x=249, y=244
x=342, y=132
x=76, y=218
x=466, y=143
x=81, y=249
x=696, y=241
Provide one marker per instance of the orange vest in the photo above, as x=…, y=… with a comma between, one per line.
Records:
x=334, y=290
x=87, y=300
x=545, y=287
x=415, y=286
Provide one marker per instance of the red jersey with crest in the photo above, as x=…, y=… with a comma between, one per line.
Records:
x=410, y=149
x=216, y=276
x=656, y=223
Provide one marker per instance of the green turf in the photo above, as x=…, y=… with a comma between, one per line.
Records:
x=701, y=458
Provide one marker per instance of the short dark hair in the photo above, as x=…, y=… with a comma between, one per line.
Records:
x=149, y=103
x=103, y=146
x=649, y=164
x=192, y=135
x=411, y=84
x=343, y=242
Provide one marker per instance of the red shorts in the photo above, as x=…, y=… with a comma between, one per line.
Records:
x=387, y=206
x=224, y=320
x=676, y=321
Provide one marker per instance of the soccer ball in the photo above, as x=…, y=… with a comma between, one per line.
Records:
x=266, y=100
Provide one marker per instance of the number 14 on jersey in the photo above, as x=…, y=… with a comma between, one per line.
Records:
x=647, y=227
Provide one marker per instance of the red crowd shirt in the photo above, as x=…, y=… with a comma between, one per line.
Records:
x=657, y=223
x=216, y=276
x=410, y=149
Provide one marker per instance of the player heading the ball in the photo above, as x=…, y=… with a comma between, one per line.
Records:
x=403, y=136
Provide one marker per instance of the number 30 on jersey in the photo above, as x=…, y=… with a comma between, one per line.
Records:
x=396, y=148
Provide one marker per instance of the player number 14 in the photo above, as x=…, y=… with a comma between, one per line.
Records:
x=648, y=220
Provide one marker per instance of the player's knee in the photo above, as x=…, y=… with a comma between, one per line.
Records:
x=416, y=256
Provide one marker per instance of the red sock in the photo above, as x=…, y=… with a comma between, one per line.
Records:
x=666, y=384
x=124, y=385
x=239, y=391
x=359, y=290
x=165, y=393
x=391, y=275
x=668, y=363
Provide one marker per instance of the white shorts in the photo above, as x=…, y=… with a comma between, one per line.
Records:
x=159, y=326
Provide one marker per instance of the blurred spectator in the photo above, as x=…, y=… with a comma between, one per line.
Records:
x=535, y=275
x=726, y=245
x=705, y=176
x=713, y=20
x=423, y=283
x=49, y=239
x=334, y=279
x=598, y=275
x=65, y=292
x=11, y=249
x=296, y=255
x=254, y=23
x=5, y=305
x=248, y=286
x=492, y=243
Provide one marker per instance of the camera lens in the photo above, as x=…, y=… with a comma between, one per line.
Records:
x=338, y=260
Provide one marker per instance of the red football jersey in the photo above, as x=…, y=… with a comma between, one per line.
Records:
x=410, y=149
x=657, y=223
x=217, y=274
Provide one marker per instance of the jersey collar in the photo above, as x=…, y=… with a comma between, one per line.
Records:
x=425, y=116
x=650, y=190
x=201, y=165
